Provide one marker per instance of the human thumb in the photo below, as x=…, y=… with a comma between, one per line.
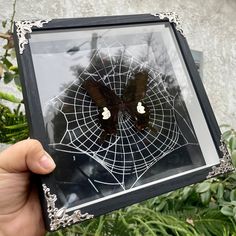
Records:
x=27, y=155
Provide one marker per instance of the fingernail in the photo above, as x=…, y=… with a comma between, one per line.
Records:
x=46, y=162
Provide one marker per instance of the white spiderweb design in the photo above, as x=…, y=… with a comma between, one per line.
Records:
x=129, y=154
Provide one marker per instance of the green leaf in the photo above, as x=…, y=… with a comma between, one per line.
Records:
x=232, y=143
x=100, y=226
x=203, y=187
x=4, y=23
x=205, y=197
x=227, y=211
x=233, y=155
x=233, y=176
x=227, y=194
x=18, y=126
x=186, y=192
x=220, y=191
x=9, y=97
x=8, y=77
x=17, y=82
x=232, y=203
x=225, y=126
x=7, y=62
x=213, y=224
x=234, y=210
x=227, y=134
x=161, y=206
x=233, y=195
x=14, y=68
x=214, y=187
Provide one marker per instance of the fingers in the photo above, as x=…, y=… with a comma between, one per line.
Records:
x=27, y=155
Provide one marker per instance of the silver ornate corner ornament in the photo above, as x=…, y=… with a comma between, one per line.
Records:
x=24, y=27
x=225, y=165
x=59, y=217
x=172, y=18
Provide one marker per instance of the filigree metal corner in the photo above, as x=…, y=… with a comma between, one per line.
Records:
x=225, y=165
x=24, y=27
x=59, y=217
x=173, y=18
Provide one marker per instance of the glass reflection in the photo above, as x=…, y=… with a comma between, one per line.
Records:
x=90, y=168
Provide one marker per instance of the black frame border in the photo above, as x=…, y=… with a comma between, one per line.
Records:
x=36, y=122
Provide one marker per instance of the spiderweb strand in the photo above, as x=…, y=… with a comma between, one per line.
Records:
x=128, y=153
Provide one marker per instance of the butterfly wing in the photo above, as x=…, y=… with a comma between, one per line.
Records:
x=136, y=88
x=133, y=94
x=107, y=102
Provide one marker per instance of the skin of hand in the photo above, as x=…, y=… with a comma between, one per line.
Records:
x=20, y=211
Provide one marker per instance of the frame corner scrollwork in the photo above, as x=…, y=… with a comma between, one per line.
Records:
x=225, y=165
x=59, y=217
x=172, y=17
x=24, y=27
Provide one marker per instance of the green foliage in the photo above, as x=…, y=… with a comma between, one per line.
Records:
x=13, y=125
x=8, y=71
x=9, y=97
x=230, y=139
x=142, y=219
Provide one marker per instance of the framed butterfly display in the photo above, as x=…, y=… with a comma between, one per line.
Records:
x=118, y=103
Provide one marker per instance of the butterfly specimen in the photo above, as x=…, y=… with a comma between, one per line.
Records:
x=110, y=104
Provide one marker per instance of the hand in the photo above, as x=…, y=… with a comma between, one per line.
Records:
x=20, y=211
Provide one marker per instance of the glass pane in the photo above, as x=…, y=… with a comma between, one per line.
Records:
x=138, y=78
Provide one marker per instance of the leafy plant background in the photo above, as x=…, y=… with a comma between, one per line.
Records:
x=203, y=209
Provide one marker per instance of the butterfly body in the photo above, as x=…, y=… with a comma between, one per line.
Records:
x=110, y=105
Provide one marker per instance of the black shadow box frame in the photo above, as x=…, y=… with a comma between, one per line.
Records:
x=180, y=145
